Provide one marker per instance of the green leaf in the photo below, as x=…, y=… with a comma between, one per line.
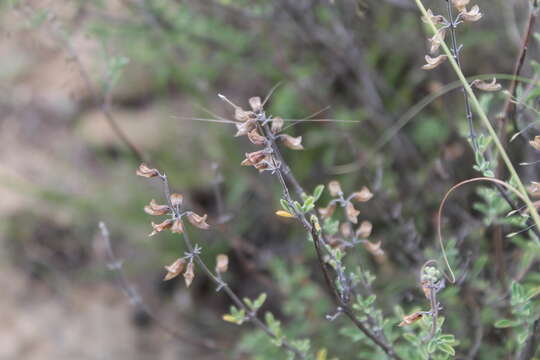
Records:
x=447, y=349
x=412, y=338
x=318, y=192
x=505, y=323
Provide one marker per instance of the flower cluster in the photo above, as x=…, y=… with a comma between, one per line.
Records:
x=261, y=130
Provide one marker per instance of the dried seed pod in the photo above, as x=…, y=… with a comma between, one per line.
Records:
x=335, y=188
x=198, y=221
x=535, y=143
x=256, y=156
x=485, y=86
x=176, y=199
x=432, y=63
x=291, y=142
x=177, y=227
x=222, y=263
x=328, y=211
x=256, y=138
x=174, y=269
x=374, y=248
x=345, y=229
x=189, y=275
x=146, y=171
x=351, y=212
x=277, y=124
x=472, y=15
x=460, y=4
x=364, y=230
x=255, y=103
x=167, y=224
x=155, y=209
x=363, y=195
x=412, y=318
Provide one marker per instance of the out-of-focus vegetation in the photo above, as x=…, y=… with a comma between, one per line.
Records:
x=347, y=76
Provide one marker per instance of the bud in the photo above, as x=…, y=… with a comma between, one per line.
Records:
x=364, y=230
x=146, y=172
x=256, y=138
x=409, y=319
x=189, y=275
x=198, y=221
x=363, y=195
x=174, y=269
x=485, y=86
x=432, y=63
x=335, y=188
x=222, y=263
x=177, y=199
x=177, y=227
x=351, y=212
x=294, y=143
x=167, y=224
x=277, y=124
x=255, y=103
x=155, y=209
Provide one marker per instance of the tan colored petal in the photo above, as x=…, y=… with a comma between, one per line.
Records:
x=328, y=211
x=198, y=221
x=177, y=227
x=334, y=187
x=291, y=142
x=485, y=86
x=351, y=212
x=146, y=172
x=432, y=63
x=472, y=15
x=460, y=4
x=189, y=275
x=255, y=103
x=256, y=156
x=412, y=318
x=222, y=263
x=277, y=124
x=437, y=40
x=167, y=224
x=436, y=19
x=364, y=230
x=244, y=128
x=176, y=199
x=363, y=195
x=256, y=138
x=155, y=209
x=174, y=269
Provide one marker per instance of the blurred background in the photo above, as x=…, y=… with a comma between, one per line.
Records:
x=70, y=68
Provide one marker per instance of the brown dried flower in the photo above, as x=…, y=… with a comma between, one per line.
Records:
x=432, y=63
x=460, y=4
x=351, y=212
x=256, y=138
x=176, y=199
x=409, y=319
x=363, y=195
x=177, y=227
x=198, y=221
x=374, y=248
x=174, y=269
x=155, y=209
x=167, y=224
x=146, y=172
x=437, y=40
x=335, y=188
x=277, y=124
x=472, y=15
x=189, y=275
x=364, y=230
x=327, y=211
x=291, y=142
x=244, y=128
x=436, y=19
x=222, y=263
x=485, y=86
x=534, y=188
x=255, y=103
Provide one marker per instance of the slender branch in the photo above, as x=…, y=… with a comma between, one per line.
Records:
x=136, y=300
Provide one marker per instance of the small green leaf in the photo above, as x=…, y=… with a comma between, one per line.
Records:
x=318, y=192
x=447, y=349
x=505, y=323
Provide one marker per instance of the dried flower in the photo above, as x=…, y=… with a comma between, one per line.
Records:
x=176, y=199
x=437, y=40
x=155, y=209
x=146, y=172
x=409, y=319
x=364, y=230
x=222, y=263
x=432, y=63
x=363, y=195
x=255, y=157
x=255, y=103
x=174, y=269
x=277, y=124
x=460, y=4
x=167, y=224
x=244, y=128
x=534, y=188
x=189, y=275
x=284, y=214
x=335, y=188
x=485, y=86
x=198, y=221
x=351, y=212
x=472, y=15
x=327, y=211
x=535, y=143
x=256, y=138
x=177, y=227
x=374, y=248
x=426, y=288
x=436, y=19
x=345, y=229
x=291, y=142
